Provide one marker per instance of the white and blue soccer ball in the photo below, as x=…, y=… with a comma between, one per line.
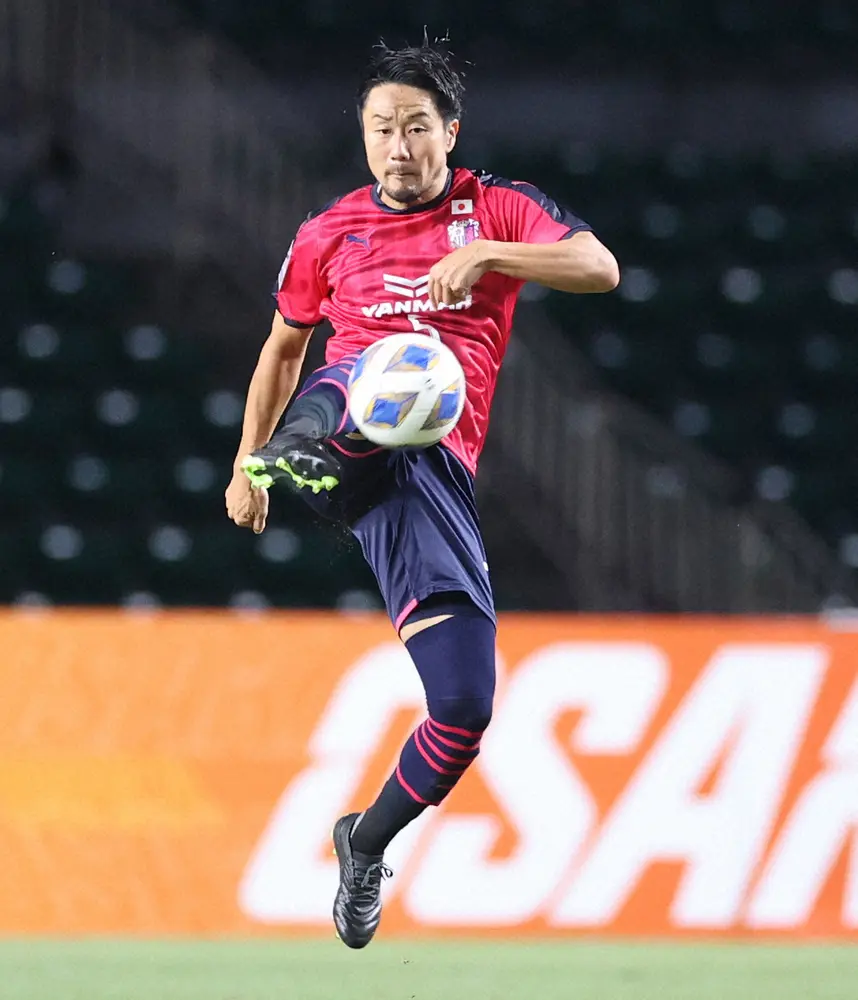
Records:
x=406, y=390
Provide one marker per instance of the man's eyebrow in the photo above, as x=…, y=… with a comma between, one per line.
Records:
x=411, y=114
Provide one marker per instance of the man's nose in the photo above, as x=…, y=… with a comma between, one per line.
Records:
x=399, y=148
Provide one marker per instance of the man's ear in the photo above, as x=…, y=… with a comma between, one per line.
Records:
x=452, y=135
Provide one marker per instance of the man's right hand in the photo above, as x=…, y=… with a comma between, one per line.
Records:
x=245, y=504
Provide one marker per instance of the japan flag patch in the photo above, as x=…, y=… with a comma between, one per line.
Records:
x=462, y=206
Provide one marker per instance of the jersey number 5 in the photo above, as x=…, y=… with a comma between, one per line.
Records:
x=425, y=328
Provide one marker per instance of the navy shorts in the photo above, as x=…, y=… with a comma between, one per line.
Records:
x=413, y=511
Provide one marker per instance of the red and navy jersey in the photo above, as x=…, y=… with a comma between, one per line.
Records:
x=365, y=267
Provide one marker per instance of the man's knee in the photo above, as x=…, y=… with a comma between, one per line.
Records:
x=468, y=714
x=455, y=657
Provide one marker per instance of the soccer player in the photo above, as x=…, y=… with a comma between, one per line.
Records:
x=442, y=251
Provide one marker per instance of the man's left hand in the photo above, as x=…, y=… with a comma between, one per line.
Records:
x=451, y=279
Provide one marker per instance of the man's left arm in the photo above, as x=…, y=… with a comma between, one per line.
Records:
x=577, y=264
x=580, y=263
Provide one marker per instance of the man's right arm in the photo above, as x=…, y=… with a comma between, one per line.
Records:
x=273, y=384
x=271, y=388
x=299, y=292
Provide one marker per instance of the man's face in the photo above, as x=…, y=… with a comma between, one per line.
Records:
x=406, y=141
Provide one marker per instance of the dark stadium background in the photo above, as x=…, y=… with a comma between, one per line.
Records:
x=683, y=444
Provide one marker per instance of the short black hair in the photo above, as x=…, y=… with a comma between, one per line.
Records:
x=423, y=66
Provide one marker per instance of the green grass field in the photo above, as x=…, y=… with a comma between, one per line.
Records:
x=313, y=970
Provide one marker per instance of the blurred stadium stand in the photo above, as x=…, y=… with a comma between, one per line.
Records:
x=668, y=37
x=686, y=443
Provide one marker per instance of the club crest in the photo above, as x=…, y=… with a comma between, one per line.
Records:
x=462, y=232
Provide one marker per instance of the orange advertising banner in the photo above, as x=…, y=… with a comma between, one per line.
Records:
x=179, y=773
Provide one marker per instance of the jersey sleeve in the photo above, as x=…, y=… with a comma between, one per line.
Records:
x=530, y=216
x=299, y=291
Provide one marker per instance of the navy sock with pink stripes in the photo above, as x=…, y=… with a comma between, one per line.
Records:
x=316, y=413
x=456, y=662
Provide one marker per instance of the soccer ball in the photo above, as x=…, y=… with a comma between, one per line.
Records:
x=406, y=390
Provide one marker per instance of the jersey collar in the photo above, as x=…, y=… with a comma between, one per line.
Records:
x=414, y=209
